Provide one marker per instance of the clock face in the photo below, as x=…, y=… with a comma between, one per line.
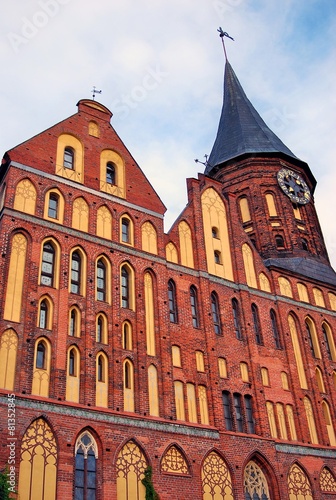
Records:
x=293, y=186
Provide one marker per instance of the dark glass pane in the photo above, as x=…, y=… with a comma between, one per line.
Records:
x=53, y=205
x=172, y=302
x=125, y=230
x=275, y=330
x=68, y=159
x=124, y=288
x=326, y=341
x=110, y=173
x=236, y=319
x=238, y=412
x=40, y=356
x=256, y=324
x=194, y=307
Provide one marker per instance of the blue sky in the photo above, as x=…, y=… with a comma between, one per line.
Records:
x=160, y=67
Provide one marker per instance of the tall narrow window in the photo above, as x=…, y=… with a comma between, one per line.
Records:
x=100, y=328
x=110, y=173
x=227, y=411
x=279, y=241
x=329, y=341
x=53, y=206
x=48, y=265
x=86, y=455
x=125, y=230
x=126, y=336
x=238, y=412
x=43, y=318
x=75, y=272
x=172, y=301
x=275, y=330
x=41, y=356
x=69, y=158
x=215, y=313
x=312, y=338
x=236, y=319
x=249, y=414
x=194, y=307
x=72, y=363
x=125, y=291
x=101, y=280
x=100, y=369
x=74, y=330
x=256, y=324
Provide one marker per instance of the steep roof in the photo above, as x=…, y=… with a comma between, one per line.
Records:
x=241, y=129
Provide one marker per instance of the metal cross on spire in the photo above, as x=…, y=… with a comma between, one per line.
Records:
x=94, y=91
x=222, y=34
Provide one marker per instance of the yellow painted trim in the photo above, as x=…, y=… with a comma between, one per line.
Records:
x=108, y=278
x=319, y=380
x=310, y=420
x=297, y=352
x=191, y=400
x=149, y=312
x=57, y=249
x=78, y=321
x=50, y=312
x=41, y=376
x=303, y=292
x=83, y=270
x=264, y=376
x=272, y=211
x=153, y=391
x=131, y=285
x=186, y=245
x=80, y=214
x=284, y=381
x=199, y=361
x=8, y=354
x=244, y=210
x=60, y=207
x=329, y=424
x=179, y=400
x=203, y=405
x=313, y=333
x=25, y=197
x=102, y=386
x=285, y=287
x=331, y=340
x=222, y=368
x=281, y=420
x=271, y=419
x=149, y=238
x=171, y=253
x=77, y=173
x=176, y=356
x=128, y=342
x=250, y=274
x=15, y=278
x=291, y=422
x=318, y=296
x=118, y=189
x=128, y=391
x=93, y=129
x=264, y=283
x=104, y=223
x=73, y=381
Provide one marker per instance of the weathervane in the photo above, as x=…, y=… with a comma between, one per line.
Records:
x=222, y=34
x=205, y=163
x=94, y=91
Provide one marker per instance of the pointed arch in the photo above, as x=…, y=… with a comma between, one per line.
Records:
x=149, y=312
x=127, y=288
x=41, y=373
x=86, y=456
x=77, y=271
x=255, y=482
x=25, y=197
x=244, y=210
x=149, y=238
x=329, y=341
x=179, y=400
x=171, y=253
x=297, y=352
x=327, y=481
x=104, y=223
x=312, y=338
x=101, y=328
x=102, y=380
x=272, y=211
x=73, y=374
x=80, y=214
x=45, y=312
x=126, y=230
x=38, y=463
x=329, y=423
x=74, y=327
x=174, y=461
x=15, y=278
x=310, y=420
x=127, y=341
x=203, y=404
x=285, y=287
x=130, y=466
x=303, y=292
x=103, y=279
x=319, y=379
x=153, y=391
x=109, y=158
x=8, y=354
x=50, y=263
x=250, y=274
x=216, y=478
x=128, y=378
x=264, y=283
x=299, y=487
x=186, y=244
x=214, y=216
x=318, y=296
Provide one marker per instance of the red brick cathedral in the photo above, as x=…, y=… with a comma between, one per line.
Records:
x=194, y=365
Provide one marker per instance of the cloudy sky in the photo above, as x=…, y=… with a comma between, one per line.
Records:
x=159, y=65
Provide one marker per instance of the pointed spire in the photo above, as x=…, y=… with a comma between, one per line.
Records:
x=241, y=129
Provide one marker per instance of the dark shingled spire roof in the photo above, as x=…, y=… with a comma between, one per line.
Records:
x=241, y=129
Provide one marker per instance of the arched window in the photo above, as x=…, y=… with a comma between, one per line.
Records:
x=264, y=376
x=227, y=410
x=110, y=173
x=38, y=462
x=215, y=313
x=236, y=319
x=222, y=368
x=74, y=322
x=100, y=369
x=327, y=481
x=72, y=363
x=125, y=287
x=101, y=280
x=304, y=244
x=130, y=468
x=153, y=391
x=275, y=330
x=329, y=341
x=48, y=265
x=86, y=455
x=43, y=314
x=244, y=372
x=244, y=210
x=214, y=232
x=191, y=401
x=249, y=414
x=312, y=338
x=255, y=483
x=53, y=206
x=238, y=412
x=281, y=420
x=203, y=405
x=102, y=380
x=75, y=284
x=319, y=379
x=217, y=257
x=41, y=373
x=199, y=361
x=73, y=375
x=285, y=287
x=179, y=400
x=329, y=423
x=8, y=354
x=172, y=301
x=216, y=478
x=256, y=325
x=271, y=205
x=101, y=329
x=41, y=356
x=126, y=336
x=310, y=420
x=298, y=484
x=194, y=307
x=174, y=461
x=271, y=419
x=69, y=158
x=128, y=386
